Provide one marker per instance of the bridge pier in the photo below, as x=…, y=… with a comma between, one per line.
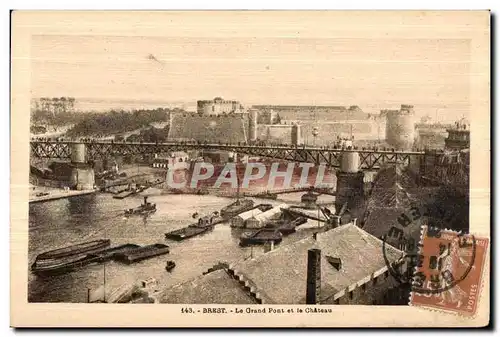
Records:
x=350, y=182
x=82, y=174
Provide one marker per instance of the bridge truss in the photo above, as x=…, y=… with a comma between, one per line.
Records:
x=369, y=159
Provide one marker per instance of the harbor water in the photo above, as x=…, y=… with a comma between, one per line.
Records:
x=65, y=222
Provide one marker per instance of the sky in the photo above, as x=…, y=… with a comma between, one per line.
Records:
x=112, y=67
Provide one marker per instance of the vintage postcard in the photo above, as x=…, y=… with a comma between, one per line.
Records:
x=250, y=169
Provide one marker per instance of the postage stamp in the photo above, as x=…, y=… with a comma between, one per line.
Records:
x=449, y=270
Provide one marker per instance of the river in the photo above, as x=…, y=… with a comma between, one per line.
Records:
x=64, y=222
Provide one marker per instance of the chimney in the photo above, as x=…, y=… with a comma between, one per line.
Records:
x=313, y=291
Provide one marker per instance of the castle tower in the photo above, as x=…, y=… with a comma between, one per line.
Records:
x=458, y=137
x=350, y=181
x=296, y=134
x=400, y=127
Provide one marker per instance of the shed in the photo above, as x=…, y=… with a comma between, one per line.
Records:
x=239, y=220
x=260, y=220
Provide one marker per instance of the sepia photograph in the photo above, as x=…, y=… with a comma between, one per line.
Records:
x=256, y=159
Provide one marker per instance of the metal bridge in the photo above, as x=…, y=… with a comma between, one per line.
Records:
x=369, y=159
x=291, y=190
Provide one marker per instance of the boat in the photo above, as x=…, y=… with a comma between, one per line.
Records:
x=286, y=227
x=170, y=265
x=61, y=265
x=187, y=232
x=268, y=195
x=67, y=259
x=261, y=236
x=237, y=207
x=110, y=253
x=85, y=247
x=142, y=253
x=208, y=221
x=144, y=209
x=201, y=192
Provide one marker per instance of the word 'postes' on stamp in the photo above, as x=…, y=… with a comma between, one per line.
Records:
x=448, y=275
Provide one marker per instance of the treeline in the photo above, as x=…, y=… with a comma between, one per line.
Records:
x=53, y=110
x=116, y=122
x=151, y=135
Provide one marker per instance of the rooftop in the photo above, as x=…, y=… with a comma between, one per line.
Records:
x=279, y=276
x=217, y=287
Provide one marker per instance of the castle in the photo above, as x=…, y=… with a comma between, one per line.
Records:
x=224, y=121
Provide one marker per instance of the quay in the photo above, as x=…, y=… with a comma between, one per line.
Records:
x=38, y=195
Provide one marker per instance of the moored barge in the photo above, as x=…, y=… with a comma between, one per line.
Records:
x=237, y=207
x=142, y=253
x=111, y=253
x=187, y=232
x=84, y=247
x=261, y=236
x=286, y=227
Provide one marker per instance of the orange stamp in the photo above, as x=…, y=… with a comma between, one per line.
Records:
x=448, y=271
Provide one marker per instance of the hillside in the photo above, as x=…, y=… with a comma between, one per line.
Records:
x=116, y=122
x=395, y=196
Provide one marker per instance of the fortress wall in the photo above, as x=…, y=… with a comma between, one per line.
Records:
x=221, y=128
x=308, y=113
x=328, y=132
x=275, y=133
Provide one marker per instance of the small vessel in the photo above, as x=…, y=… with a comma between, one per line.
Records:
x=144, y=209
x=268, y=195
x=170, y=265
x=202, y=192
x=208, y=221
x=237, y=207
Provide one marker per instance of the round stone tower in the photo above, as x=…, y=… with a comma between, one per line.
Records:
x=400, y=127
x=296, y=134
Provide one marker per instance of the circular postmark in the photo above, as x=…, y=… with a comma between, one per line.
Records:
x=434, y=265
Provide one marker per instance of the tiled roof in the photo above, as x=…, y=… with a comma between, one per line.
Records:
x=279, y=276
x=217, y=287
